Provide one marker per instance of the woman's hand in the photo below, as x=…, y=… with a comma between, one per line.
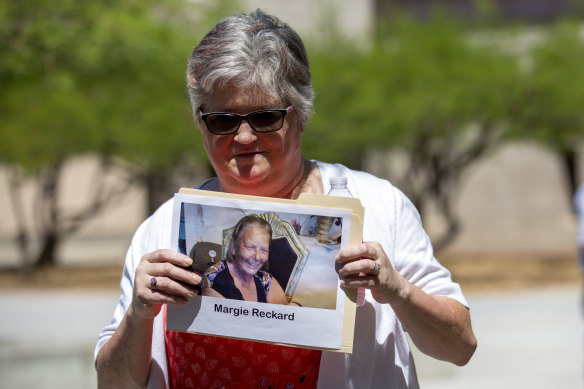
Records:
x=367, y=266
x=157, y=282
x=124, y=360
x=439, y=326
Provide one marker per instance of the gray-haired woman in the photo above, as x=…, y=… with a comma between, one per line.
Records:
x=251, y=94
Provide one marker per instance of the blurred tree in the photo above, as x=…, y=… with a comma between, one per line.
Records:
x=550, y=110
x=422, y=89
x=103, y=77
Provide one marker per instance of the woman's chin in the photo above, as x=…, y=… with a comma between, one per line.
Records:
x=249, y=181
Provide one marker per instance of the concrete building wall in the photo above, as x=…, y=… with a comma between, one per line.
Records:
x=515, y=202
x=105, y=236
x=354, y=18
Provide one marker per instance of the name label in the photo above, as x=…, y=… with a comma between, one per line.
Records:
x=256, y=312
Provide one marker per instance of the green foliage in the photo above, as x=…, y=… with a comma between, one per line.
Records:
x=553, y=90
x=106, y=77
x=416, y=79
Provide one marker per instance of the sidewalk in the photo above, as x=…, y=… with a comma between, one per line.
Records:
x=47, y=338
x=527, y=339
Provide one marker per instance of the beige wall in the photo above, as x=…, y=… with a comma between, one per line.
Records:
x=513, y=202
x=516, y=202
x=306, y=16
x=105, y=236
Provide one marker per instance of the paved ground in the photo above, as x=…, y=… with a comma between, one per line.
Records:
x=529, y=339
x=47, y=338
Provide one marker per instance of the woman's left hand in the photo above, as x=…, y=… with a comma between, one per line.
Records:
x=367, y=266
x=438, y=325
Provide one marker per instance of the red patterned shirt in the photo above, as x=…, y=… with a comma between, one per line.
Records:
x=208, y=362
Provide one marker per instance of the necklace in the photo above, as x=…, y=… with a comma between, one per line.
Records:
x=310, y=182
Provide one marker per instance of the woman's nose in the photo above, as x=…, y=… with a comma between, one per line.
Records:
x=245, y=134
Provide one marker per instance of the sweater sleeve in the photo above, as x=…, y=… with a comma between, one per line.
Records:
x=414, y=255
x=153, y=234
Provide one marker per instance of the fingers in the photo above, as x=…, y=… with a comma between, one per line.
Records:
x=168, y=263
x=167, y=267
x=363, y=266
x=370, y=250
x=361, y=260
x=161, y=279
x=367, y=266
x=165, y=255
x=162, y=290
x=169, y=270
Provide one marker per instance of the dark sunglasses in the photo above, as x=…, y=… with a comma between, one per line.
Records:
x=225, y=123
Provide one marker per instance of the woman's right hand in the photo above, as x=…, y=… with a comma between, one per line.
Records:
x=166, y=268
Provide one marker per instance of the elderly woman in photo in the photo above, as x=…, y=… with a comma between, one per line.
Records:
x=251, y=94
x=240, y=277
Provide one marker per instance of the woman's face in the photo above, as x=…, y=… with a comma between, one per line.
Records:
x=247, y=162
x=251, y=250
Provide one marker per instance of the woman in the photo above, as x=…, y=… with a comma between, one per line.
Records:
x=240, y=277
x=250, y=90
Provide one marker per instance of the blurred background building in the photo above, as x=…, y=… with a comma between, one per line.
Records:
x=514, y=200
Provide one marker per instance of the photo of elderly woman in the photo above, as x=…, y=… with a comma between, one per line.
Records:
x=240, y=276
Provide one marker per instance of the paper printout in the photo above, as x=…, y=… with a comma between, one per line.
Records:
x=304, y=242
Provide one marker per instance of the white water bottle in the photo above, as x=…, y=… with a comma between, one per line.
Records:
x=339, y=188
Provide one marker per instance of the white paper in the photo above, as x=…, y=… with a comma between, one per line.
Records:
x=317, y=323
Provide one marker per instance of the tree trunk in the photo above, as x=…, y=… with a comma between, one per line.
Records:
x=48, y=253
x=50, y=220
x=53, y=224
x=158, y=189
x=569, y=162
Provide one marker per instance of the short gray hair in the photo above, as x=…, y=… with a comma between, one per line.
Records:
x=254, y=51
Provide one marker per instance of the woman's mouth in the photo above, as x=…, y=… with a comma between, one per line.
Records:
x=253, y=264
x=246, y=155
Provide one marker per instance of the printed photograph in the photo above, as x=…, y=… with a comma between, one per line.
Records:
x=262, y=255
x=268, y=269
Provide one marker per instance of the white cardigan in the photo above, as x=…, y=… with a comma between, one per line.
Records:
x=381, y=355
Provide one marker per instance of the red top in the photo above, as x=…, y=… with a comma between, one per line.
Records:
x=201, y=361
